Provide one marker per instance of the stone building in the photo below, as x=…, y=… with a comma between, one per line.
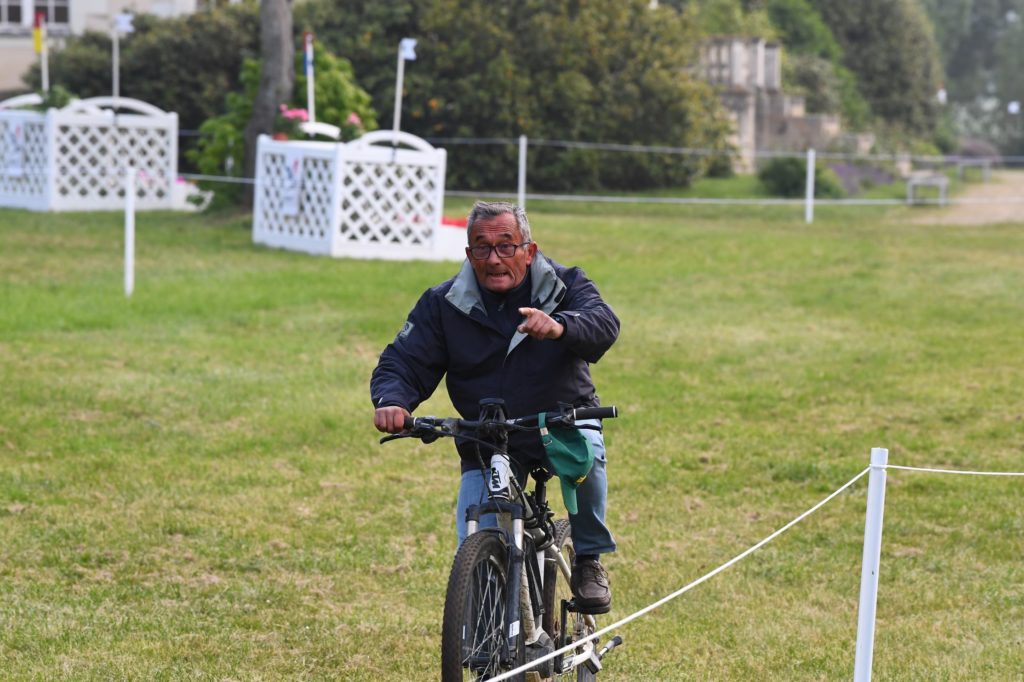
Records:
x=747, y=72
x=64, y=18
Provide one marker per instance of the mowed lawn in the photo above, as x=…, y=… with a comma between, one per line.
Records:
x=191, y=487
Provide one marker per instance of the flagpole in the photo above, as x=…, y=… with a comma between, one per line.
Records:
x=116, y=62
x=406, y=50
x=398, y=90
x=44, y=66
x=121, y=23
x=310, y=90
x=39, y=44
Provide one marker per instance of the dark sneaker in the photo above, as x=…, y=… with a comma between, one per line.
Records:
x=590, y=586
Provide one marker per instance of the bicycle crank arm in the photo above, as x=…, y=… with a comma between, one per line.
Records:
x=607, y=649
x=592, y=659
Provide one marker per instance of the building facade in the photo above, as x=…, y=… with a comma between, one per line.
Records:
x=63, y=18
x=747, y=73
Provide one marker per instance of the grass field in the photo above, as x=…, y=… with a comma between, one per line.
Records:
x=191, y=487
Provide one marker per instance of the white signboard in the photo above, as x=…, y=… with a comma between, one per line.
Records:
x=14, y=150
x=291, y=182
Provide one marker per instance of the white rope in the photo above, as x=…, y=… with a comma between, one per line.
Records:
x=955, y=471
x=219, y=178
x=682, y=590
x=590, y=198
x=706, y=151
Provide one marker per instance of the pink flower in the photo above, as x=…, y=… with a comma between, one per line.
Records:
x=353, y=119
x=294, y=114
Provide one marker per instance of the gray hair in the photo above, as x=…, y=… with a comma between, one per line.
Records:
x=483, y=210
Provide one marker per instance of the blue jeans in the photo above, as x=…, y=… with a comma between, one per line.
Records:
x=589, y=534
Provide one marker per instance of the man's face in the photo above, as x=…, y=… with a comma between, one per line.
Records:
x=496, y=274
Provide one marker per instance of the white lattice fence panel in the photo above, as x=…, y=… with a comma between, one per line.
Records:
x=309, y=228
x=364, y=199
x=23, y=159
x=93, y=151
x=384, y=203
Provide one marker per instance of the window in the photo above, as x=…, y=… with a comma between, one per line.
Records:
x=55, y=11
x=10, y=12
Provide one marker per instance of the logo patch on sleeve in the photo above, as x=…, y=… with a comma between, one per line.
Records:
x=406, y=329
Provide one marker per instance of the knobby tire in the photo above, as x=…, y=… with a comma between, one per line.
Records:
x=474, y=612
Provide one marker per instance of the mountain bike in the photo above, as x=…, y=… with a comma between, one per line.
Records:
x=509, y=599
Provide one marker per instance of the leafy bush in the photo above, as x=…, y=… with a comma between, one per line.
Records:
x=57, y=97
x=859, y=177
x=787, y=177
x=338, y=96
x=220, y=149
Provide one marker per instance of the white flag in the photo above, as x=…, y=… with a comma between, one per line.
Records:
x=407, y=49
x=123, y=22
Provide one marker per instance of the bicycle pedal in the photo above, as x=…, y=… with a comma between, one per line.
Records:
x=594, y=610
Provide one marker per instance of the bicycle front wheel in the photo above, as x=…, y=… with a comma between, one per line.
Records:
x=474, y=612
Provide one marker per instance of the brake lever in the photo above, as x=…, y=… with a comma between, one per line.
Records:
x=427, y=435
x=395, y=436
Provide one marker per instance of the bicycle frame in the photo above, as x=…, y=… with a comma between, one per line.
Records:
x=522, y=605
x=524, y=528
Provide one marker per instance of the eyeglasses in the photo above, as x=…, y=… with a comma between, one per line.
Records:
x=506, y=250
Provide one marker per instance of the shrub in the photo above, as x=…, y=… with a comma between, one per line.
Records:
x=857, y=177
x=787, y=177
x=220, y=149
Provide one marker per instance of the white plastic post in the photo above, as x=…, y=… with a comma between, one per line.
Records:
x=44, y=61
x=398, y=92
x=870, y=565
x=307, y=38
x=809, y=201
x=116, y=63
x=522, y=172
x=129, y=231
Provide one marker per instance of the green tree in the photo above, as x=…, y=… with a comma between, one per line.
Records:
x=890, y=46
x=981, y=48
x=802, y=30
x=812, y=63
x=606, y=70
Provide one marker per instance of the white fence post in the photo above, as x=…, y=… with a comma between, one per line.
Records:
x=129, y=231
x=870, y=565
x=522, y=172
x=809, y=202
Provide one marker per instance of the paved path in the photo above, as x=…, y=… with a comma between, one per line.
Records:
x=1003, y=185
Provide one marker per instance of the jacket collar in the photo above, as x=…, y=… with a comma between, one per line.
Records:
x=546, y=289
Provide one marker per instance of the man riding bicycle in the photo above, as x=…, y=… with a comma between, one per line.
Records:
x=515, y=325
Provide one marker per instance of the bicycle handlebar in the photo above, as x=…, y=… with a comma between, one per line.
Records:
x=554, y=418
x=431, y=428
x=609, y=412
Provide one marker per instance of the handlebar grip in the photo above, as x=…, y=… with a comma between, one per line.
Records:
x=596, y=412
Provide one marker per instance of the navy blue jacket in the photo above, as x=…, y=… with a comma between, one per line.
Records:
x=449, y=332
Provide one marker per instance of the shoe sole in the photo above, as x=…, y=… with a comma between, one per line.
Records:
x=593, y=610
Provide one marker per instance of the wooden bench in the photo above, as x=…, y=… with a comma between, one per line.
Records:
x=918, y=180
